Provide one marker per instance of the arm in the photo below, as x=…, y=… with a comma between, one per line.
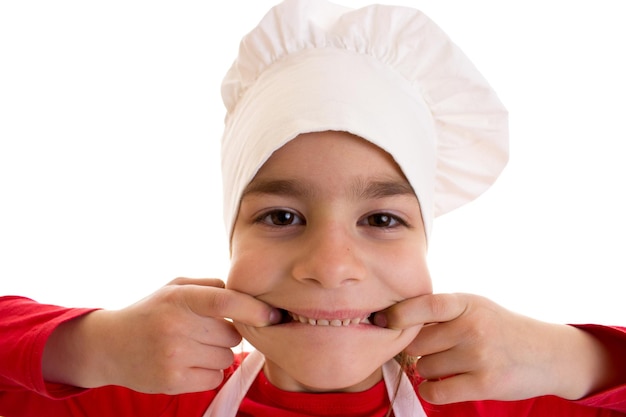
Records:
x=473, y=349
x=175, y=341
x=25, y=328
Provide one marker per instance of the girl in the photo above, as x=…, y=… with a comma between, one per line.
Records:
x=347, y=132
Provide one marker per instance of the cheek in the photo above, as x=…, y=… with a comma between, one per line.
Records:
x=251, y=272
x=407, y=274
x=240, y=275
x=246, y=265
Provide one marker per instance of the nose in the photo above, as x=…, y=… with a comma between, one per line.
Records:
x=330, y=257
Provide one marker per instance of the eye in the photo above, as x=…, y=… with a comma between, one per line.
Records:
x=383, y=220
x=280, y=218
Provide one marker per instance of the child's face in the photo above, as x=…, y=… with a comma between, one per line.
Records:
x=329, y=230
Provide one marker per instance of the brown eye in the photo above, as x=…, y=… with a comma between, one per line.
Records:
x=280, y=218
x=383, y=220
x=379, y=220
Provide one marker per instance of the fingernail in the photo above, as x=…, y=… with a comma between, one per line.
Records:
x=380, y=319
x=275, y=316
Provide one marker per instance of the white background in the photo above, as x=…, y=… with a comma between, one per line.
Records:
x=110, y=123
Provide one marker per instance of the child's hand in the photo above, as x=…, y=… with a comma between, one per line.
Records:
x=174, y=341
x=473, y=349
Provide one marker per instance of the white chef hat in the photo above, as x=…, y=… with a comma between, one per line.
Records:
x=385, y=73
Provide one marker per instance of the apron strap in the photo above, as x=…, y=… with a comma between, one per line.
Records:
x=226, y=402
x=405, y=403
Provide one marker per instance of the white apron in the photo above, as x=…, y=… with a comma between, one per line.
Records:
x=228, y=399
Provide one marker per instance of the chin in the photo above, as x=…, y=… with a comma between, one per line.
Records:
x=321, y=374
x=336, y=365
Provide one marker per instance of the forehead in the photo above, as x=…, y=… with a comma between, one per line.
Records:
x=330, y=163
x=337, y=152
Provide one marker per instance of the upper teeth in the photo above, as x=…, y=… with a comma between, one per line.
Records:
x=328, y=322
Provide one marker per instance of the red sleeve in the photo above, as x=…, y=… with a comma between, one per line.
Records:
x=614, y=338
x=24, y=329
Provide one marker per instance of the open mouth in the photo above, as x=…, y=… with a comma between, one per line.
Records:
x=288, y=317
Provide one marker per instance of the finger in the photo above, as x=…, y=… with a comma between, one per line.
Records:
x=216, y=332
x=192, y=380
x=211, y=357
x=207, y=282
x=434, y=338
x=219, y=302
x=424, y=309
x=202, y=379
x=458, y=388
x=444, y=364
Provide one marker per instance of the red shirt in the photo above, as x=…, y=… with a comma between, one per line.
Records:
x=26, y=325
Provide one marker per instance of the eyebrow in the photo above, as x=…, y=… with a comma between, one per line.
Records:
x=359, y=189
x=277, y=187
x=374, y=189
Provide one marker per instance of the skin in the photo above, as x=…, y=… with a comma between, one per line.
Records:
x=473, y=349
x=342, y=239
x=174, y=341
x=326, y=251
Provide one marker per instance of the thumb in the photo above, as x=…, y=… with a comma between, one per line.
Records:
x=420, y=310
